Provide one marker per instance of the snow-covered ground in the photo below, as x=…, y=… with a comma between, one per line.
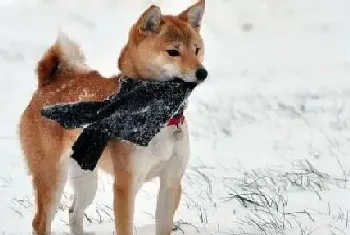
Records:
x=270, y=130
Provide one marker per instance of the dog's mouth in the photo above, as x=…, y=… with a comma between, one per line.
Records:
x=188, y=84
x=179, y=80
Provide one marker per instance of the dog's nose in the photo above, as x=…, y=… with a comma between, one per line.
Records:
x=201, y=74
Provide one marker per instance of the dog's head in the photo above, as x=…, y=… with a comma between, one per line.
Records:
x=162, y=47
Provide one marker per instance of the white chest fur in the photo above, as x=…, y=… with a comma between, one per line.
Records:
x=167, y=152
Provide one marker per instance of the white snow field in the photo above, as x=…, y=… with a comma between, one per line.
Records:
x=270, y=129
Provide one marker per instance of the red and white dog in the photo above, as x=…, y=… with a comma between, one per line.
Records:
x=159, y=47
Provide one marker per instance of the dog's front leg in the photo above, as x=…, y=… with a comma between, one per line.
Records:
x=124, y=198
x=168, y=201
x=170, y=183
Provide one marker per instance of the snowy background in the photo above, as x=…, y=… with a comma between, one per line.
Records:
x=270, y=130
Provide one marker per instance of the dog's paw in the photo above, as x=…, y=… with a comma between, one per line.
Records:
x=75, y=224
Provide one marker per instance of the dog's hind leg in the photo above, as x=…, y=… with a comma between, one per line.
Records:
x=85, y=187
x=48, y=185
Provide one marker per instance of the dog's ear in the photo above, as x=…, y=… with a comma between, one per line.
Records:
x=194, y=14
x=149, y=21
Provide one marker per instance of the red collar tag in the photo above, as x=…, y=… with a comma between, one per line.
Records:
x=176, y=120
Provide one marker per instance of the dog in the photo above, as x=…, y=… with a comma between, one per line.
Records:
x=159, y=47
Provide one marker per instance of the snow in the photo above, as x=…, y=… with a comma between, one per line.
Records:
x=271, y=124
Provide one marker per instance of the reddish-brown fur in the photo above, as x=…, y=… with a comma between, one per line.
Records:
x=44, y=142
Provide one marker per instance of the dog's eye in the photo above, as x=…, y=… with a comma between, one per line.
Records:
x=197, y=50
x=173, y=52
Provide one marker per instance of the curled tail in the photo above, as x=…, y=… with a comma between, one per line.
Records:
x=64, y=53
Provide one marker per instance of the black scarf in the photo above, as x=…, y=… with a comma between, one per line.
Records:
x=136, y=114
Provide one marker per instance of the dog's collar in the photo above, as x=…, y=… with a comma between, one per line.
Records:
x=179, y=117
x=176, y=120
